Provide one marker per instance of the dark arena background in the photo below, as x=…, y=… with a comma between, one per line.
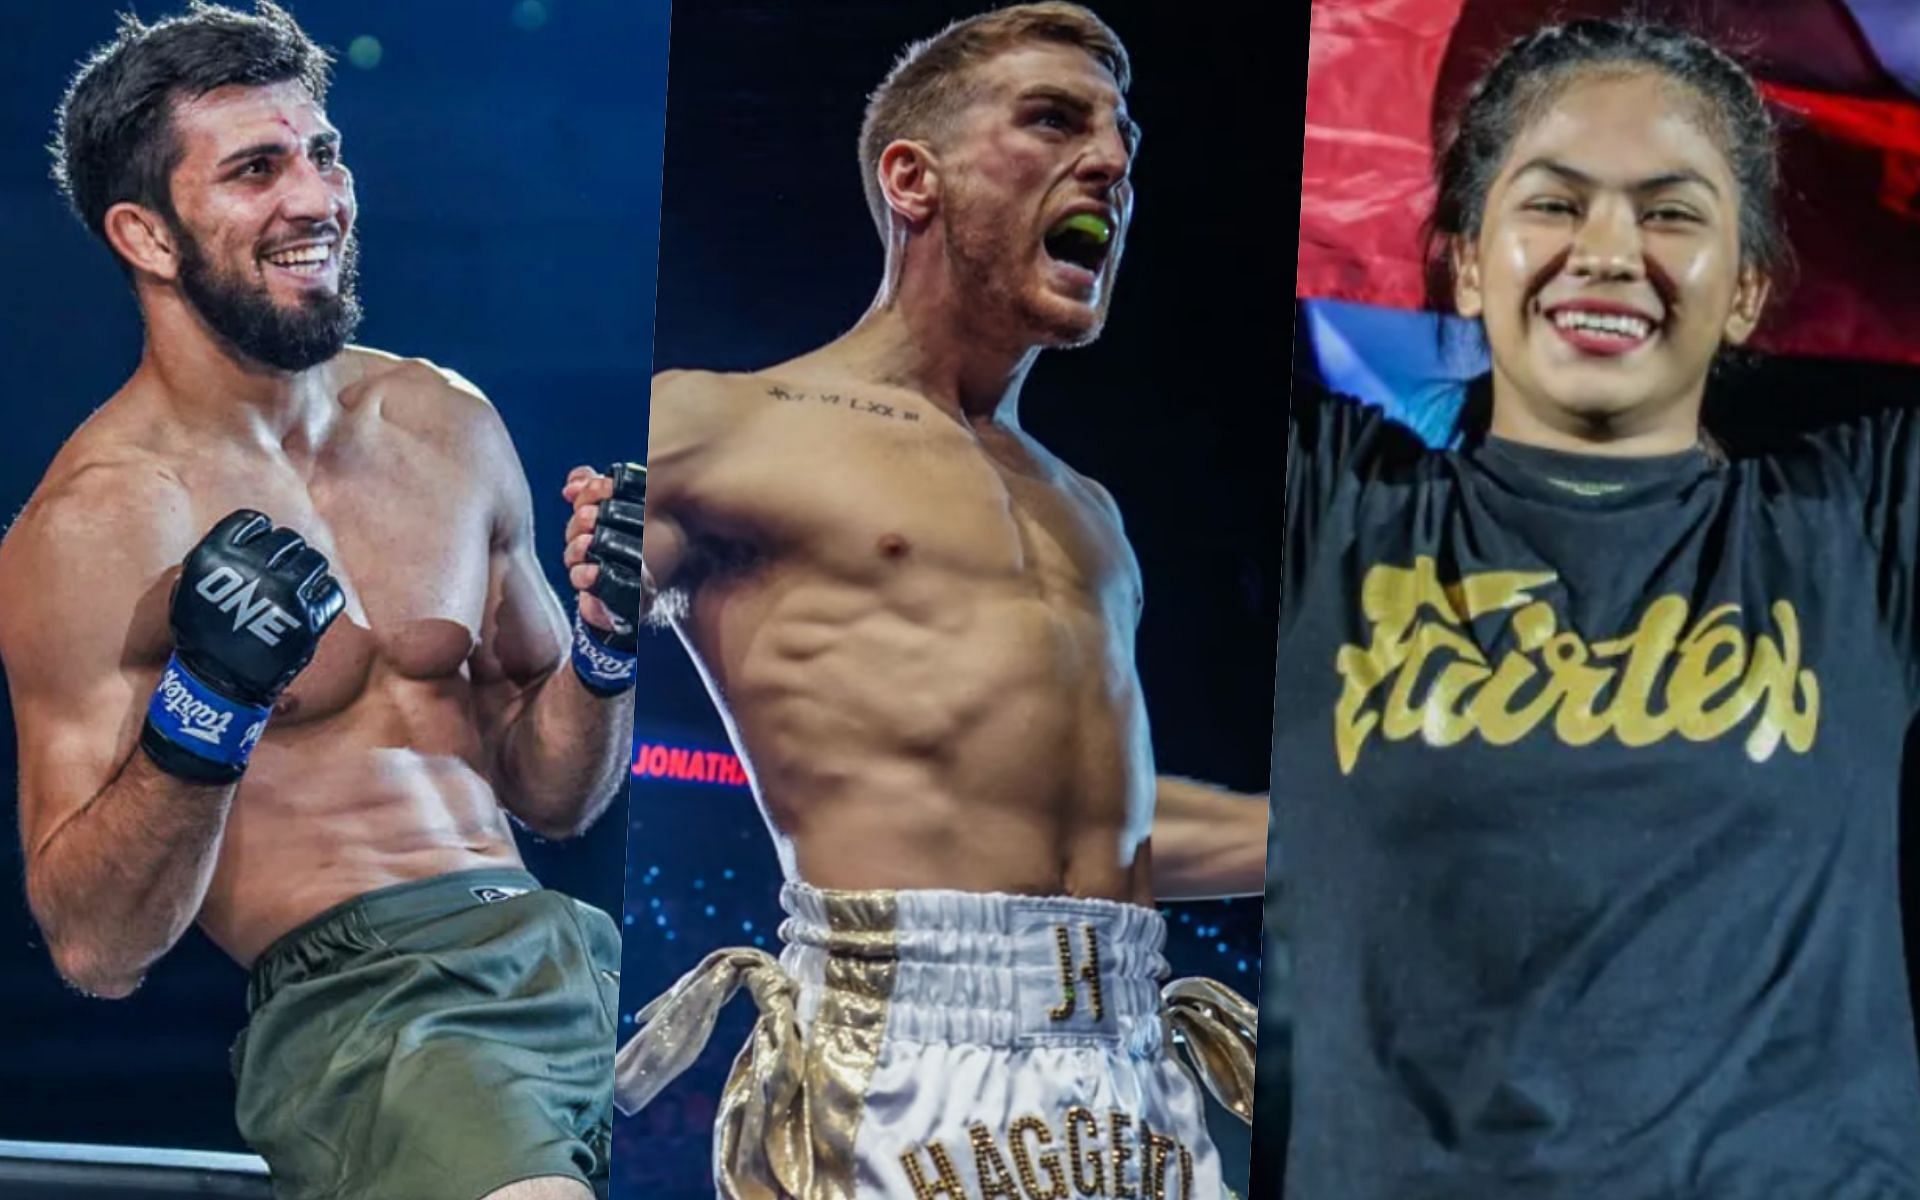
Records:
x=507, y=159
x=767, y=250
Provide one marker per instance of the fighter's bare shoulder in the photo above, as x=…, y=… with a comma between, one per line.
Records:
x=1090, y=491
x=102, y=526
x=696, y=405
x=101, y=488
x=696, y=417
x=1101, y=497
x=435, y=404
x=692, y=389
x=410, y=390
x=1101, y=503
x=683, y=385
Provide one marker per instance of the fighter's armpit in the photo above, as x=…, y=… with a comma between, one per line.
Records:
x=664, y=549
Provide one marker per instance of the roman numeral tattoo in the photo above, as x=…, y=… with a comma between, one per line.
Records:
x=850, y=404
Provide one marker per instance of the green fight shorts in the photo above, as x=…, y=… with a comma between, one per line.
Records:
x=433, y=1041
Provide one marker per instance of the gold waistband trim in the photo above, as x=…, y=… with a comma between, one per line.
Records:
x=1216, y=1026
x=792, y=1106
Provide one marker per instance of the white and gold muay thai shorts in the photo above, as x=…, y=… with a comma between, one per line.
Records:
x=923, y=1044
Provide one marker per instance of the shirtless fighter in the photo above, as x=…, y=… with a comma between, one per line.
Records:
x=283, y=662
x=919, y=624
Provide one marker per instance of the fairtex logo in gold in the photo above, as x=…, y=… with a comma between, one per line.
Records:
x=1700, y=678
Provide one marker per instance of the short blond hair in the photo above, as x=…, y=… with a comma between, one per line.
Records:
x=928, y=85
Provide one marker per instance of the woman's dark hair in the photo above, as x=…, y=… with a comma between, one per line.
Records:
x=1533, y=72
x=116, y=141
x=1536, y=69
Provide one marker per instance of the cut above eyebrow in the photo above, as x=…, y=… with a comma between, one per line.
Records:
x=257, y=150
x=330, y=137
x=1655, y=183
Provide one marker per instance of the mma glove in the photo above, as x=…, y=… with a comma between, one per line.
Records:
x=247, y=614
x=605, y=660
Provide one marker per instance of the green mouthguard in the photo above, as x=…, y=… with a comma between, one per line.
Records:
x=1088, y=224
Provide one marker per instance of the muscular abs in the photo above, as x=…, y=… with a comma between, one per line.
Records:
x=923, y=636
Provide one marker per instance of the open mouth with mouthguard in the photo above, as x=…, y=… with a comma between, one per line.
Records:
x=1082, y=240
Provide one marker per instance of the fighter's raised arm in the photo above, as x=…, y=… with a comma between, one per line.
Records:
x=132, y=735
x=1208, y=842
x=555, y=697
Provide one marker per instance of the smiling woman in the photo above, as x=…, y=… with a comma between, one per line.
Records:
x=1593, y=886
x=1608, y=213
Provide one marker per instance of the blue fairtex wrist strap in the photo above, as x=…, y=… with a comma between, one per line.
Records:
x=604, y=670
x=201, y=721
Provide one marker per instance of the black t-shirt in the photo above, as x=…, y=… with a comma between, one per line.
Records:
x=1587, y=778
